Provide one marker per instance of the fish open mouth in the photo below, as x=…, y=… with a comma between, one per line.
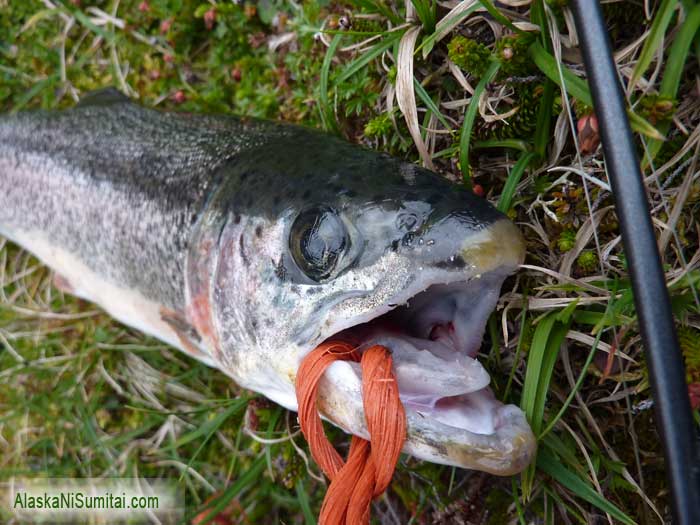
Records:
x=434, y=339
x=452, y=413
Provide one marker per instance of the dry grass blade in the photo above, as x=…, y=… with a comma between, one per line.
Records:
x=405, y=93
x=682, y=196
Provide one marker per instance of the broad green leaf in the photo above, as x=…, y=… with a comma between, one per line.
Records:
x=468, y=123
x=425, y=98
x=513, y=180
x=324, y=106
x=578, y=88
x=655, y=39
x=544, y=351
x=675, y=62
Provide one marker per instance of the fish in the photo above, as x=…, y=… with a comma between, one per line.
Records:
x=246, y=243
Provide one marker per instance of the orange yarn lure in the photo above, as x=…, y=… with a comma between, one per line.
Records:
x=370, y=464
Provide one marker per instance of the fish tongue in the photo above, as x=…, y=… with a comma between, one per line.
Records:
x=427, y=371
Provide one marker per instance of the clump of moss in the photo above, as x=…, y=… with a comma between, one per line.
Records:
x=378, y=126
x=469, y=54
x=520, y=125
x=566, y=240
x=366, y=25
x=391, y=74
x=511, y=51
x=587, y=261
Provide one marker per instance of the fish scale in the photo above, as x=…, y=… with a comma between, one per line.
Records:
x=138, y=177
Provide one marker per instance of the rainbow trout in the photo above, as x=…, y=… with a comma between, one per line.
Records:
x=247, y=243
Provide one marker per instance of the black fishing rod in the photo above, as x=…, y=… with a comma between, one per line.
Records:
x=674, y=417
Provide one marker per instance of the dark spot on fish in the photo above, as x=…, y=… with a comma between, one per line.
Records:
x=258, y=231
x=193, y=218
x=242, y=250
x=456, y=262
x=237, y=219
x=254, y=324
x=295, y=289
x=280, y=270
x=312, y=290
x=269, y=322
x=394, y=245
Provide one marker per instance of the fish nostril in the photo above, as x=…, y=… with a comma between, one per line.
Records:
x=406, y=221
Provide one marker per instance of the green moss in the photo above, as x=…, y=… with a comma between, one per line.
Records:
x=520, y=125
x=469, y=55
x=587, y=261
x=378, y=126
x=366, y=25
x=511, y=52
x=566, y=240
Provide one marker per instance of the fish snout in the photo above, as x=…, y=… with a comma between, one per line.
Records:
x=457, y=242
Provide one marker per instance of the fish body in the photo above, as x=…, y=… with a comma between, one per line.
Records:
x=247, y=243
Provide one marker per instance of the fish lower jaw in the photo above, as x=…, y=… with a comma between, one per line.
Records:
x=452, y=414
x=437, y=434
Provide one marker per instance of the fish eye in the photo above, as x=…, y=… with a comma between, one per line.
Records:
x=317, y=240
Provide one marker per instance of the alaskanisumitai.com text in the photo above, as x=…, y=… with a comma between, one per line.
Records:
x=80, y=501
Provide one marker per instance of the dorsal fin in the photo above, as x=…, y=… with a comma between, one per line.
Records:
x=103, y=97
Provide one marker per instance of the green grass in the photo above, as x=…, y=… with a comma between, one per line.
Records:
x=85, y=396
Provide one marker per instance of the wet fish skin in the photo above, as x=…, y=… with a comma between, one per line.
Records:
x=180, y=226
x=116, y=184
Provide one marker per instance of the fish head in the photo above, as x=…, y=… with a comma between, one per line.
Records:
x=327, y=241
